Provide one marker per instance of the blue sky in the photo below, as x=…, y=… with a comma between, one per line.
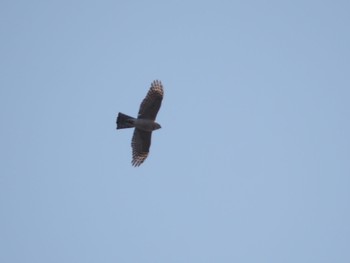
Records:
x=252, y=161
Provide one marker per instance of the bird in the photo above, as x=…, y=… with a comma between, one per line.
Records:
x=144, y=124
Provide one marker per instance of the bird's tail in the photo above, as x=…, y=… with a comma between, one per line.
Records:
x=124, y=121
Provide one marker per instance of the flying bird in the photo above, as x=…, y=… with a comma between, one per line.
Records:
x=144, y=124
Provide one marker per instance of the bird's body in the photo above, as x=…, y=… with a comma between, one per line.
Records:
x=125, y=121
x=144, y=124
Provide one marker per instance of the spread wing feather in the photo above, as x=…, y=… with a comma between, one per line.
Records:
x=140, y=143
x=152, y=102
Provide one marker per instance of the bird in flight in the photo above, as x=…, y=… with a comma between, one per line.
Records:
x=144, y=124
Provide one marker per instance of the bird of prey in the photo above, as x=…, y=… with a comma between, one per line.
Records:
x=144, y=124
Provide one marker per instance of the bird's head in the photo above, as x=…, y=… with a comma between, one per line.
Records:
x=156, y=126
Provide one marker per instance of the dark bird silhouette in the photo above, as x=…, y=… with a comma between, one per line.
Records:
x=144, y=124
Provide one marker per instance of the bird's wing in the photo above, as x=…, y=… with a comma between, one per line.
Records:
x=151, y=104
x=140, y=143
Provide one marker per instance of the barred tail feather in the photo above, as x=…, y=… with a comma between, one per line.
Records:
x=124, y=121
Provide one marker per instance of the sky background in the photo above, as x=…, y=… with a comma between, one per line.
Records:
x=252, y=163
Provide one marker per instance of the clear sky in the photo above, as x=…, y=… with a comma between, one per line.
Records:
x=252, y=163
